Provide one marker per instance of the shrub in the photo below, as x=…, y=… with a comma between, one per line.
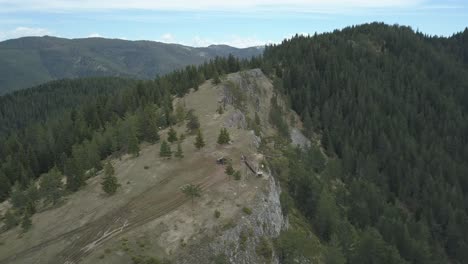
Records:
x=264, y=248
x=247, y=210
x=237, y=175
x=243, y=239
x=217, y=214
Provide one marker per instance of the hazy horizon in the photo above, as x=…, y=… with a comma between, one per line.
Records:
x=239, y=24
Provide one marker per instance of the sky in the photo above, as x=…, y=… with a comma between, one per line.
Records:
x=239, y=23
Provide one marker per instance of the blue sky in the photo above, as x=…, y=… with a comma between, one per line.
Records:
x=239, y=23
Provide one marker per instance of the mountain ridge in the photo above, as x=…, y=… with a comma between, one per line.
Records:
x=30, y=61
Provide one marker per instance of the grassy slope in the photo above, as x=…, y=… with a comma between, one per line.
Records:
x=149, y=203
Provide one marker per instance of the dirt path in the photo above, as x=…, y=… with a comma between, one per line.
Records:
x=151, y=204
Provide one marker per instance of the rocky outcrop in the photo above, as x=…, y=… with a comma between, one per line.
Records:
x=249, y=238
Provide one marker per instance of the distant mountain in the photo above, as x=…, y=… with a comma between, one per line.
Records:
x=29, y=61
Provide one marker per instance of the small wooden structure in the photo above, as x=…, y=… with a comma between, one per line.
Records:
x=256, y=172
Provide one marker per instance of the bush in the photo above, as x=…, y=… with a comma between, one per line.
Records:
x=220, y=259
x=243, y=239
x=247, y=210
x=217, y=214
x=264, y=248
x=11, y=219
x=237, y=175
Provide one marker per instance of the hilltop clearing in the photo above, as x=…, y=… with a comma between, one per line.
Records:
x=149, y=216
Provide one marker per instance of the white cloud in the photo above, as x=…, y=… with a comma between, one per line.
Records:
x=167, y=38
x=94, y=35
x=239, y=5
x=233, y=40
x=23, y=32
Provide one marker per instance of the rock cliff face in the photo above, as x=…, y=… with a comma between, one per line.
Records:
x=249, y=240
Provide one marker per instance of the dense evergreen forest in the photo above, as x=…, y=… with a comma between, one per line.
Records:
x=390, y=106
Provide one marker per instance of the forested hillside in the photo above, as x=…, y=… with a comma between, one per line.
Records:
x=390, y=106
x=29, y=61
x=73, y=124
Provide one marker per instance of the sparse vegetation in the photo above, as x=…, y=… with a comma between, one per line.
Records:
x=264, y=248
x=236, y=95
x=277, y=118
x=220, y=259
x=229, y=224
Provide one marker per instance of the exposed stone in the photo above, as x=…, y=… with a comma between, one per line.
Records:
x=239, y=243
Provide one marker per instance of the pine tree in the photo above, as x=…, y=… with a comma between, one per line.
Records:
x=199, y=143
x=172, y=135
x=75, y=177
x=5, y=186
x=326, y=219
x=179, y=154
x=165, y=150
x=229, y=170
x=223, y=137
x=192, y=123
x=133, y=147
x=216, y=80
x=191, y=191
x=220, y=109
x=19, y=200
x=110, y=182
x=26, y=222
x=11, y=219
x=237, y=175
x=180, y=112
x=147, y=124
x=51, y=188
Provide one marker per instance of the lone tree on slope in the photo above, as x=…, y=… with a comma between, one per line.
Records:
x=199, y=142
x=192, y=123
x=109, y=183
x=172, y=135
x=165, y=150
x=229, y=170
x=191, y=191
x=223, y=137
